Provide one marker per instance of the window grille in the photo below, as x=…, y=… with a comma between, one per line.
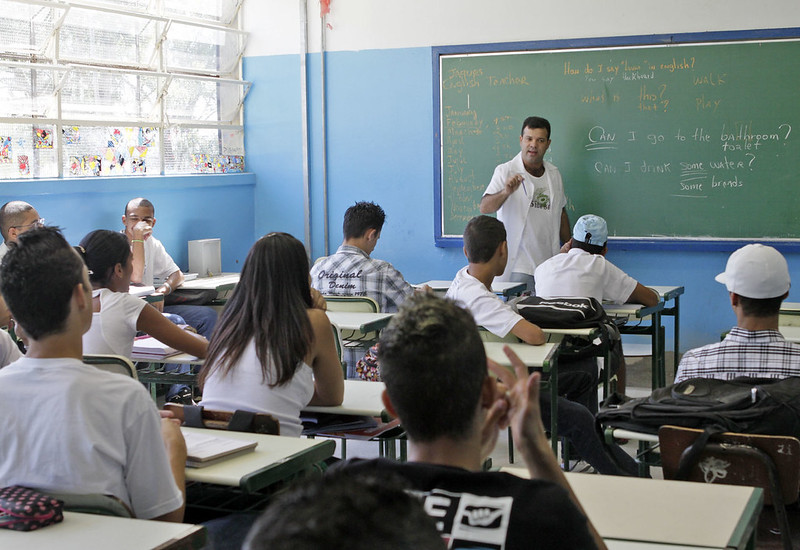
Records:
x=120, y=87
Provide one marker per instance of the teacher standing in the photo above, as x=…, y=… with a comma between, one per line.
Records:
x=528, y=195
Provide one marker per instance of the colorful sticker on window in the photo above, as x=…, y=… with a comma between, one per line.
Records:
x=44, y=139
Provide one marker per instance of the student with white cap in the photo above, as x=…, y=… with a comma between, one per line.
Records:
x=757, y=279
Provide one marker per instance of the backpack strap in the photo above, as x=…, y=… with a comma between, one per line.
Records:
x=241, y=421
x=691, y=454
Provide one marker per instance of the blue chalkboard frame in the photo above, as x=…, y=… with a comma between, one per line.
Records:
x=619, y=243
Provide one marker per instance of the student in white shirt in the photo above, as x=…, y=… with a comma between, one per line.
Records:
x=118, y=315
x=69, y=427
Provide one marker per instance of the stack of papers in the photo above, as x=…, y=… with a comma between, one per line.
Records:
x=147, y=347
x=204, y=450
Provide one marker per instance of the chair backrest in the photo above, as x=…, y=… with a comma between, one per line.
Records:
x=352, y=303
x=101, y=505
x=337, y=340
x=734, y=459
x=112, y=363
x=237, y=421
x=487, y=336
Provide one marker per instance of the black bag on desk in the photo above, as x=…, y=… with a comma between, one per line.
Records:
x=562, y=312
x=572, y=313
x=743, y=405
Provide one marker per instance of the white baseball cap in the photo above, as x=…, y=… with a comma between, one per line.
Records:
x=756, y=271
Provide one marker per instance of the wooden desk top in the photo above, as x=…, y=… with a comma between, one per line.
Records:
x=274, y=459
x=361, y=398
x=89, y=531
x=662, y=511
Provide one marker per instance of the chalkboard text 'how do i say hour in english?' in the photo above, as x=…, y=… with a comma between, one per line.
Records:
x=722, y=172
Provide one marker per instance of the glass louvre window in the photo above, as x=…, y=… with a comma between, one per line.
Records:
x=27, y=151
x=205, y=150
x=216, y=11
x=28, y=28
x=120, y=88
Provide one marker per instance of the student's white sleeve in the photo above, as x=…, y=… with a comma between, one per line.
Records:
x=162, y=262
x=148, y=476
x=491, y=313
x=9, y=352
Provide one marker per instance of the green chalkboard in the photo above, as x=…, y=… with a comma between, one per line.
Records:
x=695, y=140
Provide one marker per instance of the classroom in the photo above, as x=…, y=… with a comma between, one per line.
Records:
x=342, y=109
x=378, y=110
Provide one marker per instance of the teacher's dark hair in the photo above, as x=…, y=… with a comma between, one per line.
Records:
x=37, y=279
x=482, y=236
x=268, y=305
x=102, y=250
x=534, y=122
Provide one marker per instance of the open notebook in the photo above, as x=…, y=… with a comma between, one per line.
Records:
x=148, y=347
x=205, y=449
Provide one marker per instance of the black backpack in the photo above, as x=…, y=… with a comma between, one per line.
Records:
x=562, y=312
x=744, y=405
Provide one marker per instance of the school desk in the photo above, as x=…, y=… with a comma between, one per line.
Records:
x=223, y=284
x=635, y=314
x=503, y=288
x=672, y=294
x=659, y=511
x=363, y=398
x=791, y=333
x=359, y=321
x=790, y=314
x=275, y=459
x=150, y=370
x=544, y=358
x=95, y=532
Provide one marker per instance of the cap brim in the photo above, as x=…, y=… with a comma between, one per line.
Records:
x=721, y=278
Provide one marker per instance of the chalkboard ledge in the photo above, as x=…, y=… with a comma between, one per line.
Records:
x=669, y=244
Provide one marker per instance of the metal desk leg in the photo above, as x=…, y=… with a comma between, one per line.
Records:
x=677, y=335
x=554, y=406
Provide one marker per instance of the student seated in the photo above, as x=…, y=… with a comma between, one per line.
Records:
x=16, y=217
x=9, y=351
x=343, y=511
x=487, y=252
x=352, y=272
x=69, y=427
x=581, y=270
x=757, y=279
x=119, y=315
x=437, y=382
x=152, y=261
x=273, y=350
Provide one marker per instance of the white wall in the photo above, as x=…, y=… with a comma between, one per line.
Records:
x=275, y=25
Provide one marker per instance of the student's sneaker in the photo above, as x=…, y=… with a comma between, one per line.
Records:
x=183, y=397
x=580, y=467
